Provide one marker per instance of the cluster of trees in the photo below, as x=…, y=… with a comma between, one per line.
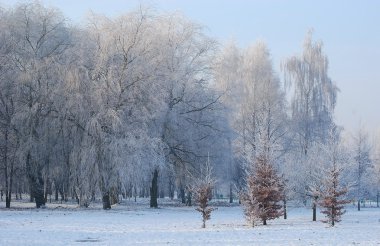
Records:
x=104, y=108
x=135, y=105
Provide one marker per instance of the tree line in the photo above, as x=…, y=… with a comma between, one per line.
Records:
x=137, y=104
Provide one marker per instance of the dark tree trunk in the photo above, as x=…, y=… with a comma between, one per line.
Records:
x=154, y=190
x=182, y=194
x=63, y=197
x=358, y=204
x=314, y=212
x=188, y=198
x=135, y=193
x=31, y=198
x=56, y=194
x=264, y=222
x=8, y=200
x=36, y=183
x=171, y=189
x=38, y=192
x=231, y=195
x=8, y=169
x=45, y=194
x=106, y=201
x=8, y=193
x=285, y=212
x=315, y=200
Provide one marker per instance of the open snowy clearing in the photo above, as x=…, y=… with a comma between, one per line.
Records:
x=131, y=224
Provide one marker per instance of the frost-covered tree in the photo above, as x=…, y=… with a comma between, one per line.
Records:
x=264, y=192
x=332, y=203
x=361, y=165
x=9, y=139
x=313, y=94
x=188, y=100
x=201, y=187
x=41, y=38
x=376, y=180
x=331, y=191
x=255, y=102
x=313, y=98
x=375, y=172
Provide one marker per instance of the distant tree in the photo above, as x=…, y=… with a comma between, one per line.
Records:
x=202, y=188
x=313, y=98
x=376, y=173
x=9, y=139
x=362, y=164
x=264, y=192
x=332, y=203
x=256, y=103
x=313, y=93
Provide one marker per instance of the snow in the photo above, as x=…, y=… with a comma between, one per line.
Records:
x=135, y=224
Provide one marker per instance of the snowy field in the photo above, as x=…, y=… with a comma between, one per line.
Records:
x=135, y=224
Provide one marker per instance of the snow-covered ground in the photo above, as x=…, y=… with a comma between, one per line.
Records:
x=135, y=224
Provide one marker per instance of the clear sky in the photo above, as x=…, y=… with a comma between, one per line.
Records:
x=350, y=31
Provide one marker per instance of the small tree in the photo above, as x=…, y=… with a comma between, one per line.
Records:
x=331, y=197
x=202, y=192
x=264, y=192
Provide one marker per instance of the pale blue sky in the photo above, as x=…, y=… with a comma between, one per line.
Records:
x=350, y=31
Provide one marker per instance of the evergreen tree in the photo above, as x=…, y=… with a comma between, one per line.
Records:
x=264, y=192
x=332, y=202
x=202, y=189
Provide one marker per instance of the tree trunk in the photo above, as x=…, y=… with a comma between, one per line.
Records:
x=182, y=193
x=56, y=194
x=9, y=191
x=36, y=183
x=154, y=190
x=45, y=192
x=231, y=196
x=188, y=198
x=8, y=172
x=31, y=198
x=358, y=204
x=285, y=212
x=377, y=199
x=314, y=211
x=38, y=192
x=106, y=201
x=264, y=222
x=171, y=189
x=8, y=200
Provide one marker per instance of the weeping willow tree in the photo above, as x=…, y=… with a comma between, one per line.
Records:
x=313, y=99
x=313, y=93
